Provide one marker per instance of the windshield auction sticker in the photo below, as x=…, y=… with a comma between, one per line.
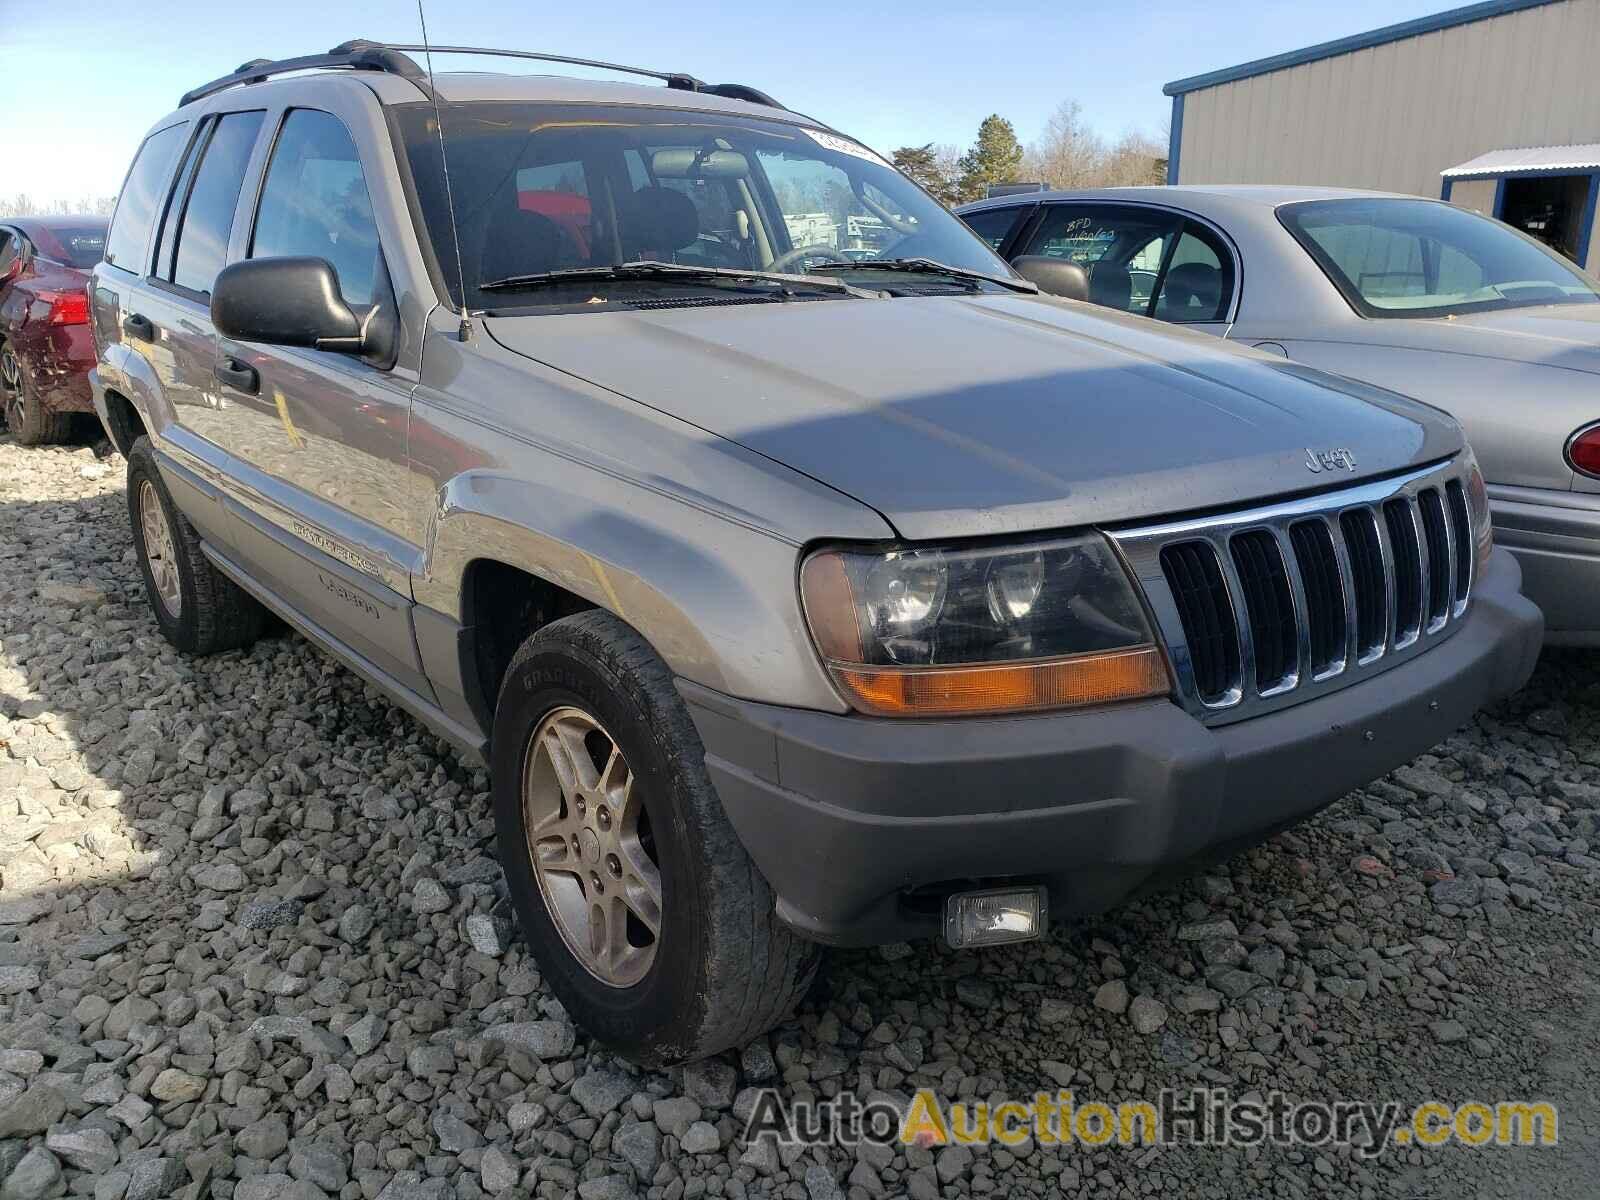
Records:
x=832, y=141
x=1193, y=1117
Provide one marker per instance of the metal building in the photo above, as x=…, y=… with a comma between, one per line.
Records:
x=1495, y=106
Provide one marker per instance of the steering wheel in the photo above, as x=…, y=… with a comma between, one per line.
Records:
x=800, y=253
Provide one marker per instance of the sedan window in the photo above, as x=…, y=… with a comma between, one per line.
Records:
x=993, y=225
x=1198, y=284
x=1424, y=258
x=1122, y=249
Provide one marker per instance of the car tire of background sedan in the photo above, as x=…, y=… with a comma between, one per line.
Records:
x=26, y=418
x=648, y=919
x=200, y=610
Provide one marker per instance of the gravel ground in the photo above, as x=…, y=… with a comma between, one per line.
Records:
x=252, y=944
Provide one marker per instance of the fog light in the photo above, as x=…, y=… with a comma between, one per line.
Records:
x=994, y=918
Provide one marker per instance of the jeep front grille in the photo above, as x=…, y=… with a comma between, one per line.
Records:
x=1264, y=608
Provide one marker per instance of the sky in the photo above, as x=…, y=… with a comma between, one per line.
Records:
x=81, y=82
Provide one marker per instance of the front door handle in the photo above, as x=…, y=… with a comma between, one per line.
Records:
x=139, y=326
x=239, y=376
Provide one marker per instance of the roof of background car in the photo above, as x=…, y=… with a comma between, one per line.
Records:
x=55, y=223
x=1262, y=195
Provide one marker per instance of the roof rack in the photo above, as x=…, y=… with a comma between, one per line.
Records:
x=356, y=55
x=393, y=58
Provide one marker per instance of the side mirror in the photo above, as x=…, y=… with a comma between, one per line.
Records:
x=1056, y=276
x=285, y=302
x=13, y=269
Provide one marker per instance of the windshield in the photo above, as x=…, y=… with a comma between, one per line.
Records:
x=547, y=187
x=1423, y=258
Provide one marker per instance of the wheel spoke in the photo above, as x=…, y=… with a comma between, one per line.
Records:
x=616, y=781
x=641, y=883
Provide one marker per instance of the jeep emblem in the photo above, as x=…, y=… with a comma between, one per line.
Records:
x=1330, y=460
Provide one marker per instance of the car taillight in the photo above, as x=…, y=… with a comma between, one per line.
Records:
x=67, y=308
x=1583, y=452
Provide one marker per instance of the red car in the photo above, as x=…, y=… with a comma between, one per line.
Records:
x=45, y=347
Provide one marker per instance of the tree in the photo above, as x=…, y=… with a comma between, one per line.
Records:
x=1068, y=153
x=1134, y=160
x=929, y=167
x=994, y=158
x=21, y=204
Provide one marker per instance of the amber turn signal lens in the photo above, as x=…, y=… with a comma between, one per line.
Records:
x=1069, y=682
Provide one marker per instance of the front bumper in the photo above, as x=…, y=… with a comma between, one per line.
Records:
x=847, y=816
x=1555, y=537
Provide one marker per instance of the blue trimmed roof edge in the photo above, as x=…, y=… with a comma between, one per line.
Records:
x=1348, y=45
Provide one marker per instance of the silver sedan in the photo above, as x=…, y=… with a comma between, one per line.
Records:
x=1415, y=295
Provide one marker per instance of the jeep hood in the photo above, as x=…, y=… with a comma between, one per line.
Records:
x=961, y=416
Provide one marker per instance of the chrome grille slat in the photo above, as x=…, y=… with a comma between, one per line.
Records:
x=1341, y=558
x=1374, y=575
x=1462, y=547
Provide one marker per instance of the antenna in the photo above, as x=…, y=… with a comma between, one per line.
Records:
x=449, y=196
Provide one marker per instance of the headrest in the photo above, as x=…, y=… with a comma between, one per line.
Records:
x=1193, y=285
x=1110, y=284
x=655, y=221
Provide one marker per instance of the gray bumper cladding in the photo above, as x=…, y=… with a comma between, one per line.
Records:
x=844, y=814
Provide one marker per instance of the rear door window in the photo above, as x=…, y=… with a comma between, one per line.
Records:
x=315, y=204
x=1198, y=284
x=208, y=212
x=141, y=195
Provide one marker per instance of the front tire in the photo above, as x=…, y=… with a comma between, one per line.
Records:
x=200, y=610
x=650, y=922
x=25, y=415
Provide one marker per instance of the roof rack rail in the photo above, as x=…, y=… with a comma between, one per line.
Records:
x=394, y=59
x=358, y=55
x=673, y=79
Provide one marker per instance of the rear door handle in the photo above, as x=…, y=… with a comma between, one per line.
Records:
x=135, y=325
x=238, y=375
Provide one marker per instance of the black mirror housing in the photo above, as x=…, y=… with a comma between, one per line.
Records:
x=1056, y=276
x=285, y=302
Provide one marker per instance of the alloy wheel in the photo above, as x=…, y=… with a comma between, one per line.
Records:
x=591, y=846
x=158, y=549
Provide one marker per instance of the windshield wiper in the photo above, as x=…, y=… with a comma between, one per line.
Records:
x=928, y=266
x=652, y=270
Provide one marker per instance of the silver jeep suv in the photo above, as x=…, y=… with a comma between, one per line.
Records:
x=801, y=573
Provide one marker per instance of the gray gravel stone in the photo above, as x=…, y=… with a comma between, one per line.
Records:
x=542, y=1039
x=35, y=1176
x=1112, y=997
x=35, y=1110
x=498, y=1170
x=710, y=1083
x=270, y=913
x=701, y=1138
x=454, y=1134
x=155, y=1179
x=599, y=1092
x=429, y=896
x=1147, y=1014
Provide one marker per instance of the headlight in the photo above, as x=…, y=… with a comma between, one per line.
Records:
x=939, y=632
x=1478, y=510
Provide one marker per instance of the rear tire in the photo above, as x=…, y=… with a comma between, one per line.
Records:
x=722, y=969
x=26, y=417
x=200, y=610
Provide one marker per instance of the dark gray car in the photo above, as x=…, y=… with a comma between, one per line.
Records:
x=1417, y=295
x=802, y=576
